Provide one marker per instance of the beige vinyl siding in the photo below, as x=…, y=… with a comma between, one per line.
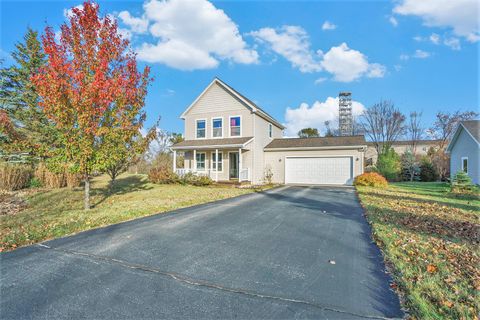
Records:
x=275, y=160
x=261, y=140
x=217, y=103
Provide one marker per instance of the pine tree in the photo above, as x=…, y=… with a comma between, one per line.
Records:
x=20, y=101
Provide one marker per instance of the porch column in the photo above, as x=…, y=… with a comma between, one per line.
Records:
x=194, y=160
x=211, y=164
x=239, y=164
x=216, y=165
x=174, y=160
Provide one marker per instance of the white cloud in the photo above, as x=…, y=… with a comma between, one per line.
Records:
x=460, y=15
x=327, y=25
x=293, y=44
x=434, y=38
x=320, y=80
x=404, y=57
x=125, y=33
x=189, y=34
x=397, y=67
x=177, y=54
x=418, y=39
x=137, y=25
x=453, y=43
x=420, y=54
x=393, y=21
x=68, y=13
x=348, y=65
x=314, y=116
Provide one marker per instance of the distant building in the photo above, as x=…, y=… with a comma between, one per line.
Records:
x=421, y=149
x=464, y=150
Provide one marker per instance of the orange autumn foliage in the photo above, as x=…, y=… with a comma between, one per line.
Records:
x=370, y=179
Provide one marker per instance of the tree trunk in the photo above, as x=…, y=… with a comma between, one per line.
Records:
x=87, y=192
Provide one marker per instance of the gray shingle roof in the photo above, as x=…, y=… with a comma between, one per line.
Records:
x=211, y=143
x=317, y=142
x=473, y=127
x=408, y=142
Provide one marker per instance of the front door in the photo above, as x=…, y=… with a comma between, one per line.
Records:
x=233, y=165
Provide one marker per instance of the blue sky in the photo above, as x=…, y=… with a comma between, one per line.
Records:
x=291, y=58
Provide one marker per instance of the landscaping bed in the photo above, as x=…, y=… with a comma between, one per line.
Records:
x=430, y=239
x=45, y=214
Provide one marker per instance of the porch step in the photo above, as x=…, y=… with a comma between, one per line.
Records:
x=233, y=183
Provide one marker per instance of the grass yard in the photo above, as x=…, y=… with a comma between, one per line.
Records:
x=430, y=239
x=56, y=213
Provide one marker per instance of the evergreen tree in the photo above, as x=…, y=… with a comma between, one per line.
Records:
x=19, y=99
x=389, y=164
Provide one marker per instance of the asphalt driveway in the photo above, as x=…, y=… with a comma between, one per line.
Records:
x=292, y=252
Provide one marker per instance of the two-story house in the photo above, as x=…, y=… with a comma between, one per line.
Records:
x=228, y=137
x=225, y=134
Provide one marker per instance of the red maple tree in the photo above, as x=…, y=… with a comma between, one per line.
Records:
x=91, y=89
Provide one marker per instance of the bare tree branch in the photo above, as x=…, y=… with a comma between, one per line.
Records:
x=445, y=124
x=383, y=124
x=414, y=130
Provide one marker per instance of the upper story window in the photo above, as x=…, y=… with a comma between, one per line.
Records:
x=217, y=125
x=235, y=126
x=270, y=130
x=465, y=164
x=201, y=128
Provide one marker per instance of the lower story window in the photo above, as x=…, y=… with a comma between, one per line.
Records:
x=217, y=163
x=465, y=165
x=200, y=161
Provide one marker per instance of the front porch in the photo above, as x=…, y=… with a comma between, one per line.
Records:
x=216, y=159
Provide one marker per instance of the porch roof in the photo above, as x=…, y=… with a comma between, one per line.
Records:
x=212, y=143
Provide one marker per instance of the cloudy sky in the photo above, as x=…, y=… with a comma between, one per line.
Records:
x=290, y=58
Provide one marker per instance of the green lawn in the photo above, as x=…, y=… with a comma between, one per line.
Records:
x=56, y=213
x=430, y=239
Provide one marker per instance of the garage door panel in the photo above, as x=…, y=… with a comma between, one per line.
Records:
x=318, y=170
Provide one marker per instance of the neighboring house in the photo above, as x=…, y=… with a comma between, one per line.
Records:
x=464, y=150
x=230, y=138
x=421, y=149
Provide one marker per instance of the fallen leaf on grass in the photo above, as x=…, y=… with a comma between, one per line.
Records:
x=431, y=268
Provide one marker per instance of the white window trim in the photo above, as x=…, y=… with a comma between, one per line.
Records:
x=230, y=126
x=205, y=161
x=463, y=169
x=270, y=130
x=206, y=127
x=223, y=126
x=211, y=159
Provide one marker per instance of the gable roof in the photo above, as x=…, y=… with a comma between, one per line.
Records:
x=245, y=101
x=320, y=142
x=472, y=127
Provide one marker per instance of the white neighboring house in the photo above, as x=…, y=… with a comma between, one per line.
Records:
x=229, y=138
x=464, y=149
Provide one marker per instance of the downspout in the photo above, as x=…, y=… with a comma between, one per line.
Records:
x=254, y=149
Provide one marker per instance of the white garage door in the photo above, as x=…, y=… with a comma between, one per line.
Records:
x=318, y=170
